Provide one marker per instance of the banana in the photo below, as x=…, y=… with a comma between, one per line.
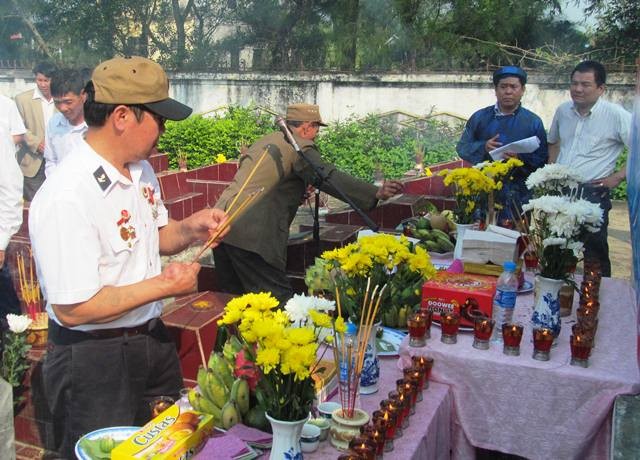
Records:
x=435, y=233
x=217, y=390
x=209, y=408
x=240, y=394
x=203, y=383
x=222, y=370
x=194, y=399
x=230, y=349
x=230, y=415
x=402, y=317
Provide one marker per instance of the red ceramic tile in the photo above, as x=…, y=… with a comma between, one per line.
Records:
x=176, y=211
x=25, y=451
x=169, y=185
x=26, y=430
x=341, y=217
x=191, y=174
x=187, y=206
x=210, y=172
x=228, y=170
x=199, y=202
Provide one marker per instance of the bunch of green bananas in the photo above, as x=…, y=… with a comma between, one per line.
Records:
x=396, y=316
x=219, y=393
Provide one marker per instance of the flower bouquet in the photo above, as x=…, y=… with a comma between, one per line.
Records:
x=378, y=260
x=553, y=179
x=498, y=171
x=14, y=351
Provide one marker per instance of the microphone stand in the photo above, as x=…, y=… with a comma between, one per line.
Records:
x=322, y=177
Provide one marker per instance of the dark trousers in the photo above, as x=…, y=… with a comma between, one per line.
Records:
x=96, y=383
x=32, y=184
x=596, y=247
x=239, y=272
x=8, y=299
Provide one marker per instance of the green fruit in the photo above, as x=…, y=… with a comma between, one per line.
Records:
x=402, y=317
x=240, y=394
x=423, y=224
x=219, y=394
x=423, y=234
x=439, y=234
x=445, y=244
x=107, y=444
x=256, y=418
x=431, y=245
x=194, y=399
x=203, y=382
x=221, y=368
x=209, y=407
x=439, y=222
x=230, y=415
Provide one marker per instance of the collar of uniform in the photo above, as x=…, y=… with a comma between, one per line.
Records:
x=498, y=112
x=97, y=165
x=594, y=109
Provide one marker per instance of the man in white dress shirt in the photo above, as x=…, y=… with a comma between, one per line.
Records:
x=588, y=135
x=11, y=133
x=98, y=227
x=67, y=125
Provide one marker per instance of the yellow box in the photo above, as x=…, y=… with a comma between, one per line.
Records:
x=174, y=434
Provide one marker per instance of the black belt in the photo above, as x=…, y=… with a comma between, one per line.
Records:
x=61, y=335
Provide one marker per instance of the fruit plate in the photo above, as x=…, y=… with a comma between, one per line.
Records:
x=389, y=343
x=118, y=433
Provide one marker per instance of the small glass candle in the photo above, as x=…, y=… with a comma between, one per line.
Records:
x=427, y=315
x=482, y=329
x=159, y=405
x=415, y=376
x=425, y=363
x=410, y=390
x=417, y=330
x=580, y=350
x=377, y=436
x=402, y=401
x=449, y=323
x=512, y=336
x=351, y=456
x=364, y=447
x=385, y=422
x=530, y=261
x=395, y=409
x=565, y=298
x=542, y=341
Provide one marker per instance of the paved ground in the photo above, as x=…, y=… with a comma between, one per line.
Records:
x=620, y=241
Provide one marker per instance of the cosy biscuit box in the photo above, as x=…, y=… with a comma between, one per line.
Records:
x=174, y=434
x=469, y=295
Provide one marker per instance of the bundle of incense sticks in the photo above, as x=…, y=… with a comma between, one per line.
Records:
x=233, y=214
x=29, y=286
x=349, y=358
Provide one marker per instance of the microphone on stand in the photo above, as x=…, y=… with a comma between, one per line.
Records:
x=282, y=124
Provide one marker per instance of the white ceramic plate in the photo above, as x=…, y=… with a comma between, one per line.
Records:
x=527, y=286
x=119, y=433
x=389, y=343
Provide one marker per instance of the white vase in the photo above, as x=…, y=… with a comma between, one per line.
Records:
x=460, y=229
x=371, y=365
x=546, y=307
x=286, y=439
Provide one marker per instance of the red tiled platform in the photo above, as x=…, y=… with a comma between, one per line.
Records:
x=159, y=161
x=192, y=322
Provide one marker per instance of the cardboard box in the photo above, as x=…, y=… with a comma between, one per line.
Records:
x=192, y=322
x=174, y=434
x=449, y=292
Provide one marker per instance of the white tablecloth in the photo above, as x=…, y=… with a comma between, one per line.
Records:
x=535, y=409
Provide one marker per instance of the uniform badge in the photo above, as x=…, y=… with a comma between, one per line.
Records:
x=147, y=194
x=127, y=232
x=101, y=178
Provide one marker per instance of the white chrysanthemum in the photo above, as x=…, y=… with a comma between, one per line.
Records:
x=297, y=308
x=18, y=323
x=482, y=165
x=553, y=178
x=554, y=242
x=576, y=247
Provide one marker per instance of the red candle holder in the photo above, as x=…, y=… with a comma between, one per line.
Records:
x=374, y=435
x=417, y=330
x=409, y=388
x=449, y=323
x=512, y=336
x=364, y=447
x=426, y=364
x=385, y=423
x=580, y=350
x=482, y=329
x=428, y=317
x=542, y=341
x=403, y=402
x=415, y=376
x=351, y=456
x=395, y=409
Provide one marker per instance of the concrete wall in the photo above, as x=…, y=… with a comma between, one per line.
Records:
x=341, y=95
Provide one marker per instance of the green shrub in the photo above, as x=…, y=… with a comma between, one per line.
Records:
x=620, y=192
x=359, y=147
x=202, y=138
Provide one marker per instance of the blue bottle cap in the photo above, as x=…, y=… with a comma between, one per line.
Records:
x=509, y=266
x=352, y=328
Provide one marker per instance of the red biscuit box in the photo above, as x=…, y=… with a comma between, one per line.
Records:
x=448, y=292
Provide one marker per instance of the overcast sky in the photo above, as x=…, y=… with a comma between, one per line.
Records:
x=575, y=13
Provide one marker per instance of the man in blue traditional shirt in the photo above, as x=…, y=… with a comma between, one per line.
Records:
x=505, y=122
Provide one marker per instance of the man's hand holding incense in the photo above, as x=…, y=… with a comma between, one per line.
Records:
x=180, y=278
x=388, y=189
x=205, y=223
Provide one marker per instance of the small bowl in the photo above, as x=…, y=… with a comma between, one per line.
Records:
x=324, y=425
x=326, y=408
x=310, y=437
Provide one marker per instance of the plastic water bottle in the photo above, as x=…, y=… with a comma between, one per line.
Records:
x=347, y=356
x=504, y=301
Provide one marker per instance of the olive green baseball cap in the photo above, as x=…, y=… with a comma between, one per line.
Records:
x=304, y=112
x=135, y=80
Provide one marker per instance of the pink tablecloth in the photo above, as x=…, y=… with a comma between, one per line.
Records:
x=535, y=409
x=428, y=434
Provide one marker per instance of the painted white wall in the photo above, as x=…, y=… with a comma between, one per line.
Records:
x=343, y=95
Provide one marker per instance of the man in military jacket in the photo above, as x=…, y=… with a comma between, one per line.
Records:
x=254, y=255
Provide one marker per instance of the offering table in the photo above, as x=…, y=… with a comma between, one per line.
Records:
x=535, y=409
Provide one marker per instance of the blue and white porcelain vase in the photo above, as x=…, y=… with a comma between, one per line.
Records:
x=546, y=306
x=371, y=365
x=286, y=439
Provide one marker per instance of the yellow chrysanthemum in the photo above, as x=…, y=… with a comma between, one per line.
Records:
x=300, y=335
x=320, y=319
x=268, y=359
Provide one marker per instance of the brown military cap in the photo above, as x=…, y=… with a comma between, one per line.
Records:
x=304, y=112
x=136, y=80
